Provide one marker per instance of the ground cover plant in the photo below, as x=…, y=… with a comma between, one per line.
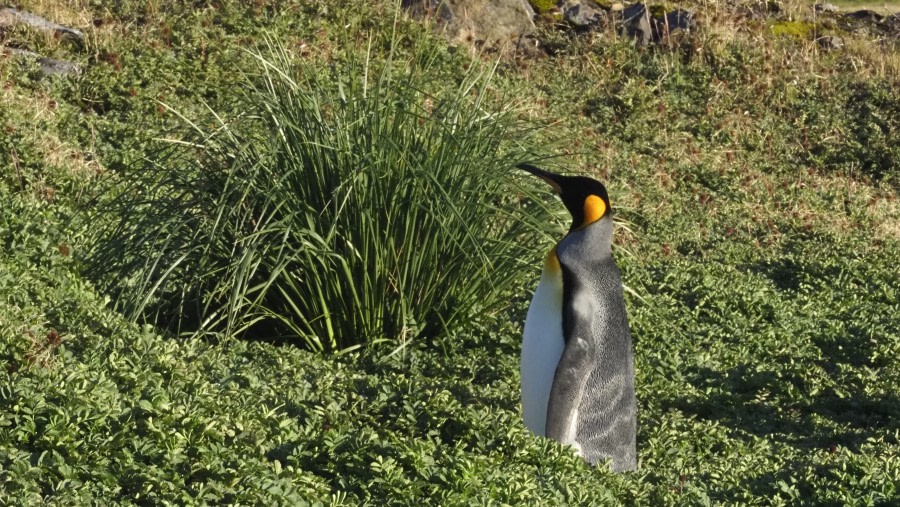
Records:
x=756, y=182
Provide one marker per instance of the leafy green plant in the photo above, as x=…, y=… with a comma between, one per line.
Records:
x=344, y=207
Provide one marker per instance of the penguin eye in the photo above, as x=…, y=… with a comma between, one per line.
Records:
x=594, y=209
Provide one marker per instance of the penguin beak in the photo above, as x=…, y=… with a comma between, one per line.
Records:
x=550, y=178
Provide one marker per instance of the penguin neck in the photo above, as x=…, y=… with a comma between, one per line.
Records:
x=586, y=244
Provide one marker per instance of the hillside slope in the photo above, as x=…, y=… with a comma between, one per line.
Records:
x=755, y=176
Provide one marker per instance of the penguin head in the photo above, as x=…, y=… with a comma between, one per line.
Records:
x=585, y=198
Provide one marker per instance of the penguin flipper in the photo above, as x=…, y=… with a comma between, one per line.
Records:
x=569, y=382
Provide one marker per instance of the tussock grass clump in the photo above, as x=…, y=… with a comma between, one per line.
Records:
x=347, y=206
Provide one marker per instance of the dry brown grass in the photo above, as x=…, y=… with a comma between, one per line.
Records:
x=837, y=203
x=99, y=31
x=35, y=113
x=873, y=60
x=885, y=209
x=71, y=13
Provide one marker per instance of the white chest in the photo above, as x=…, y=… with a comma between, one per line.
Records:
x=542, y=346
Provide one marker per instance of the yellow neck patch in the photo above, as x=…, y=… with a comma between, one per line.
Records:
x=594, y=209
x=551, y=263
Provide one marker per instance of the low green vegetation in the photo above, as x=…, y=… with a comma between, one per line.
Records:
x=754, y=180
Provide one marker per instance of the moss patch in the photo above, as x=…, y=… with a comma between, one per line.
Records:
x=798, y=29
x=542, y=6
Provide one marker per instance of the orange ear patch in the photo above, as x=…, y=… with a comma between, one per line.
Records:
x=594, y=209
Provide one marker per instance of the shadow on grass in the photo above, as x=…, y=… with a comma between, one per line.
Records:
x=759, y=403
x=820, y=422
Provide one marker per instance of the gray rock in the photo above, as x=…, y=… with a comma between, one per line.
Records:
x=493, y=22
x=635, y=23
x=51, y=67
x=48, y=66
x=10, y=17
x=673, y=22
x=826, y=7
x=871, y=24
x=584, y=14
x=432, y=9
x=892, y=24
x=865, y=15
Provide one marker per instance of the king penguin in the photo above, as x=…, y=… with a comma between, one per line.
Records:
x=577, y=359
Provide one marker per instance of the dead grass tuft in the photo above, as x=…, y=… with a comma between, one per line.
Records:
x=41, y=349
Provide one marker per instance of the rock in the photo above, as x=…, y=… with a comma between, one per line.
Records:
x=435, y=9
x=51, y=67
x=493, y=22
x=584, y=14
x=10, y=17
x=871, y=24
x=892, y=24
x=830, y=42
x=826, y=7
x=677, y=21
x=635, y=23
x=48, y=66
x=865, y=15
